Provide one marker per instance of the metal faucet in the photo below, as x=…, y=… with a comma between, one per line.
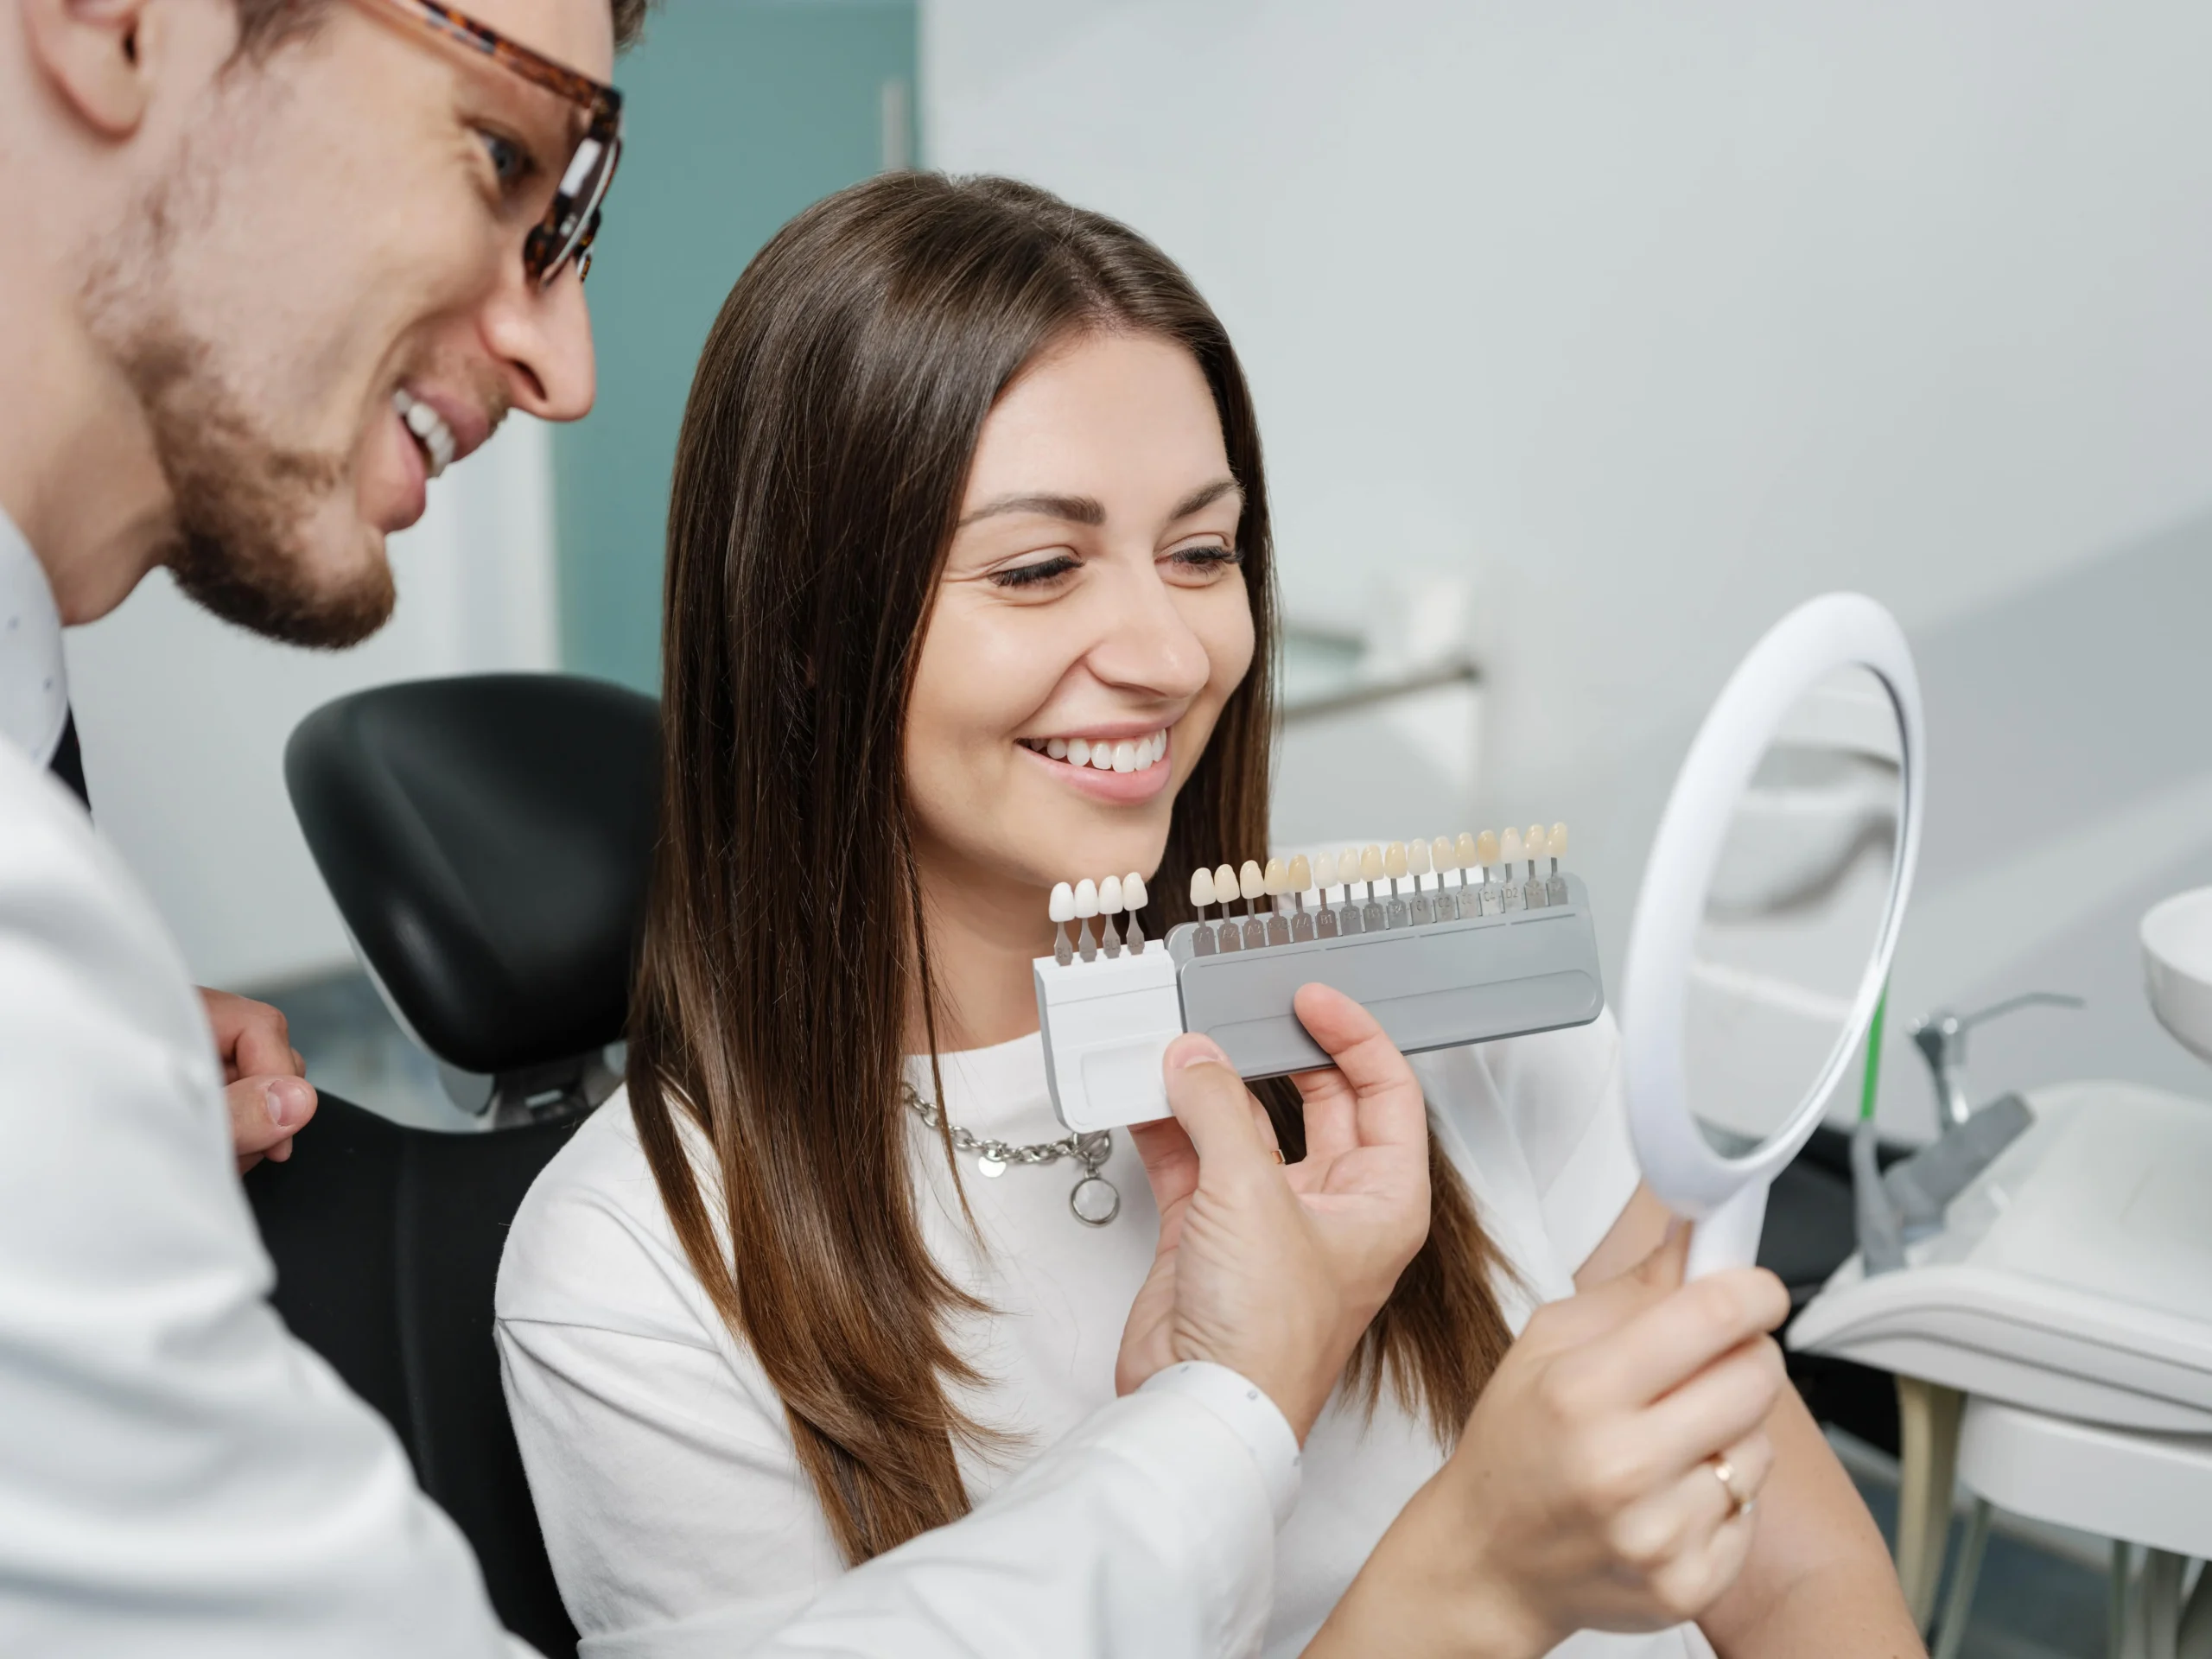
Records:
x=1942, y=1039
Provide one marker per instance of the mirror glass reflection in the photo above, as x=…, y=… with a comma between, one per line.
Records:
x=1794, y=916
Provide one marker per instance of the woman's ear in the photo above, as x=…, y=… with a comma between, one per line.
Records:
x=95, y=54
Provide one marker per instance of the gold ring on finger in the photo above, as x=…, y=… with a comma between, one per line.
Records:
x=1740, y=1503
x=1278, y=1152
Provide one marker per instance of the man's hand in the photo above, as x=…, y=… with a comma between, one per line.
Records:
x=1276, y=1271
x=263, y=1075
x=1587, y=1491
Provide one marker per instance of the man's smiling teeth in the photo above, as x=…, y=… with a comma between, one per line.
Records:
x=430, y=428
x=1126, y=755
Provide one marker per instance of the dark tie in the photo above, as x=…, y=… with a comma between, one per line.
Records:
x=68, y=762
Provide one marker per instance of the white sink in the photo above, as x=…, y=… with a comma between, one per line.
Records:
x=2176, y=937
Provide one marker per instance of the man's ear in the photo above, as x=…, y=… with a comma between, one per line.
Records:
x=95, y=54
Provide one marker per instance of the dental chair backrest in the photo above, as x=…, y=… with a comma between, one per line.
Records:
x=488, y=841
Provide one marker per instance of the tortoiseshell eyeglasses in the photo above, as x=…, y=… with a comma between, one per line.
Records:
x=572, y=216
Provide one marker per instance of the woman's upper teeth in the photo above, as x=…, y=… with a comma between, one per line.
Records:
x=430, y=428
x=1105, y=754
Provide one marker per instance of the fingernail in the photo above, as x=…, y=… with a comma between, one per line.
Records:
x=289, y=1101
x=1191, y=1050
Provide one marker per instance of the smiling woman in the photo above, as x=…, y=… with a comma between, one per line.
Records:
x=969, y=591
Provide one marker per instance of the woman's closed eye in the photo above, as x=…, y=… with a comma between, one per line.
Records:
x=1203, y=563
x=1039, y=573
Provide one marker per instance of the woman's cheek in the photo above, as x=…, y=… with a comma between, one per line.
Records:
x=1229, y=640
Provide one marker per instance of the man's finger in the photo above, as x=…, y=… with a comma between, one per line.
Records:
x=1170, y=1166
x=265, y=1110
x=1211, y=1103
x=1389, y=1109
x=253, y=1039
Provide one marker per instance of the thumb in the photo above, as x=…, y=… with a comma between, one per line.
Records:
x=1210, y=1100
x=1589, y=1314
x=1662, y=1269
x=1171, y=1165
x=267, y=1111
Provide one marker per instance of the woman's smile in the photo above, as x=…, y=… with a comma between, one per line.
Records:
x=1106, y=763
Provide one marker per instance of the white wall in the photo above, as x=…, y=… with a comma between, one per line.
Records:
x=184, y=718
x=1655, y=320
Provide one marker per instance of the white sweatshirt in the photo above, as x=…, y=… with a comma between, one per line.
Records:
x=658, y=1454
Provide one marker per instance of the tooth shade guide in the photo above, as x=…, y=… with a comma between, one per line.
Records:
x=1419, y=864
x=1133, y=898
x=1224, y=888
x=1061, y=908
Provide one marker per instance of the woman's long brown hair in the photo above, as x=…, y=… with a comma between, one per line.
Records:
x=824, y=451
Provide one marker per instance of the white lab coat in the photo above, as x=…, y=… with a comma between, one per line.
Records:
x=179, y=1478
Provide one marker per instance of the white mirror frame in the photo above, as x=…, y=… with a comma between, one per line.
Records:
x=1727, y=1196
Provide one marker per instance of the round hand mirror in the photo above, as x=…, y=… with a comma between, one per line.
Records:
x=1770, y=909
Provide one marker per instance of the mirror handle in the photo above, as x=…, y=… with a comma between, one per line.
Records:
x=1729, y=1237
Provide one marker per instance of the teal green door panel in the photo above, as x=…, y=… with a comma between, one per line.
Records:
x=740, y=112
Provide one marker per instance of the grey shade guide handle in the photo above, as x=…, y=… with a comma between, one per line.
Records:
x=1441, y=986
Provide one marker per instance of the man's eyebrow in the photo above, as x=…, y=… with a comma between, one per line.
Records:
x=1086, y=510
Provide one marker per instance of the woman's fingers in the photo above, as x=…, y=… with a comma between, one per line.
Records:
x=1676, y=1335
x=1722, y=1404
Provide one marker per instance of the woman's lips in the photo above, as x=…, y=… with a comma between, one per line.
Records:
x=1136, y=768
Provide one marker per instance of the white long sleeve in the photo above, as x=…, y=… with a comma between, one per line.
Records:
x=178, y=1477
x=1147, y=1534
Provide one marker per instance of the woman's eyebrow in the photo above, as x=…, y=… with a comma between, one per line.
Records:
x=1205, y=496
x=1086, y=510
x=1074, y=509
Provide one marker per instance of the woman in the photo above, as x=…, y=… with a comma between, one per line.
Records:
x=969, y=489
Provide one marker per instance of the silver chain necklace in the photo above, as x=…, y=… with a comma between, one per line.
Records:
x=1094, y=1199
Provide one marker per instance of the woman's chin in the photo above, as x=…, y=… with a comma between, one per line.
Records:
x=1076, y=840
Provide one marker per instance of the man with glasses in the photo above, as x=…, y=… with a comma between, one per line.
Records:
x=271, y=266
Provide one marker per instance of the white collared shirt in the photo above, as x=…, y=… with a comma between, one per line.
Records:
x=34, y=685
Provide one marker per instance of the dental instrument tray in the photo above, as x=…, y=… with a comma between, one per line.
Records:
x=1502, y=953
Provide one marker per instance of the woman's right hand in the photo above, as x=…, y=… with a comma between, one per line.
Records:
x=1585, y=1489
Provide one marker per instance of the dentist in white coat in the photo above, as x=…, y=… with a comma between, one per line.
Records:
x=269, y=266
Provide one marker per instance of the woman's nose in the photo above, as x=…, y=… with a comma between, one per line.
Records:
x=1146, y=645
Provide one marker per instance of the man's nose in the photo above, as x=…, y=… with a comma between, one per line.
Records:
x=542, y=338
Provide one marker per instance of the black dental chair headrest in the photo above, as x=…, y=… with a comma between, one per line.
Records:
x=488, y=840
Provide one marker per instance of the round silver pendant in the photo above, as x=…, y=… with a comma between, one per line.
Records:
x=990, y=1166
x=1095, y=1201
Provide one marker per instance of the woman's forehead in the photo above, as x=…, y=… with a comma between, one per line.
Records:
x=1125, y=420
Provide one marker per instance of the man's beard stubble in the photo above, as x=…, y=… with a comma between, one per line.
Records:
x=243, y=505
x=243, y=510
